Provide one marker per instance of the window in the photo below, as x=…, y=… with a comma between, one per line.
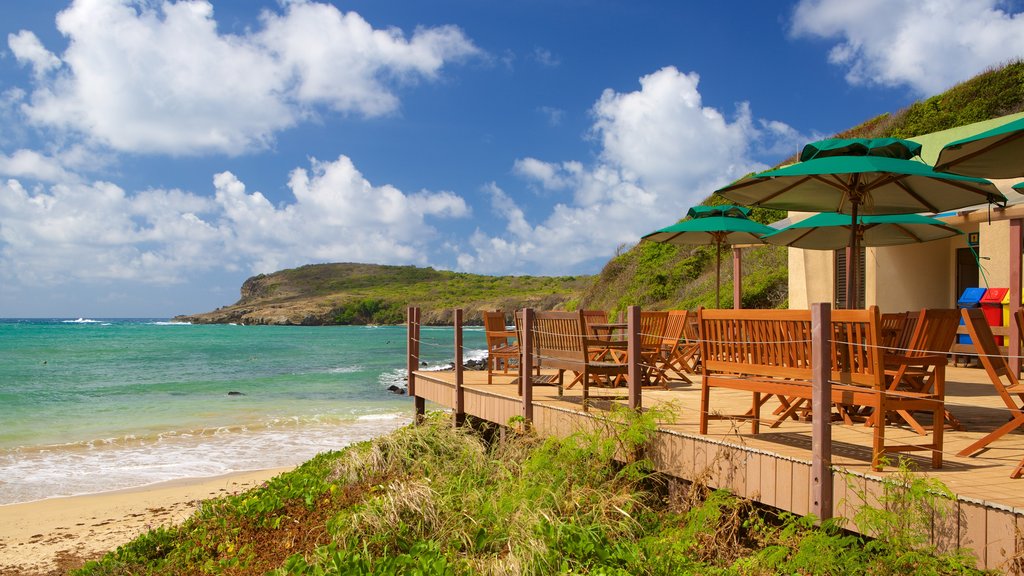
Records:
x=839, y=280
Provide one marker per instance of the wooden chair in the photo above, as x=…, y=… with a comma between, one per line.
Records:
x=1006, y=383
x=893, y=324
x=919, y=366
x=502, y=345
x=675, y=355
x=652, y=331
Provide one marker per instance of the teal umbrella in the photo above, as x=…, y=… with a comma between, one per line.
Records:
x=718, y=225
x=860, y=176
x=996, y=153
x=831, y=231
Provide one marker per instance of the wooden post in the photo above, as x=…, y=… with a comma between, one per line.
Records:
x=737, y=277
x=526, y=364
x=413, y=363
x=460, y=397
x=1016, y=250
x=821, y=408
x=633, y=355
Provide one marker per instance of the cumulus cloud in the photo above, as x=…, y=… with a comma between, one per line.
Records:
x=927, y=45
x=662, y=151
x=32, y=165
x=160, y=77
x=95, y=232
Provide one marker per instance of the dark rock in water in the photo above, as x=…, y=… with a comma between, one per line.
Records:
x=396, y=389
x=475, y=364
x=235, y=393
x=423, y=363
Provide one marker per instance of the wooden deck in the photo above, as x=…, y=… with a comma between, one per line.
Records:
x=774, y=466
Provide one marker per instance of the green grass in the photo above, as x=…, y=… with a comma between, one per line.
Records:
x=434, y=499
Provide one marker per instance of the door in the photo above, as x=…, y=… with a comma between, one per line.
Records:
x=966, y=270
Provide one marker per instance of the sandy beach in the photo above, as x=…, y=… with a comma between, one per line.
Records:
x=51, y=536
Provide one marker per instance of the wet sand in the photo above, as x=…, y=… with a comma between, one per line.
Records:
x=54, y=535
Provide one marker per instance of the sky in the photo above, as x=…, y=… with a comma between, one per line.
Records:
x=154, y=155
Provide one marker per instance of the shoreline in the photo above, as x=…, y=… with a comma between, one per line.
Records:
x=52, y=535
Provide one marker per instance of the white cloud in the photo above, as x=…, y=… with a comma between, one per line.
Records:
x=27, y=49
x=34, y=166
x=928, y=45
x=662, y=152
x=550, y=176
x=89, y=233
x=163, y=80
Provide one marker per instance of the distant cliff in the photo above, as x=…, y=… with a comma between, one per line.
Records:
x=323, y=294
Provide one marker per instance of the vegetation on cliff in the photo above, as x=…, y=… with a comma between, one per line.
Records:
x=320, y=294
x=439, y=500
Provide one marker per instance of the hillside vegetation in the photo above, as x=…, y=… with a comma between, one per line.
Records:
x=321, y=294
x=662, y=277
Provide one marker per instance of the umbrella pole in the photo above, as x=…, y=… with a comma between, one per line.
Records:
x=718, y=274
x=852, y=263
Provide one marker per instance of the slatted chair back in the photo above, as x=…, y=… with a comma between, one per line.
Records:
x=652, y=329
x=560, y=336
x=893, y=324
x=502, y=345
x=675, y=326
x=934, y=332
x=777, y=344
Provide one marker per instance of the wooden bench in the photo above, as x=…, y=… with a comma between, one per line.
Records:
x=560, y=341
x=768, y=353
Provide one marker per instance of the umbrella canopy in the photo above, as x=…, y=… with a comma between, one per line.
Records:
x=831, y=231
x=717, y=225
x=874, y=180
x=995, y=153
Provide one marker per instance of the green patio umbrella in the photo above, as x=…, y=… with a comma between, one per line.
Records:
x=995, y=153
x=831, y=231
x=858, y=176
x=718, y=225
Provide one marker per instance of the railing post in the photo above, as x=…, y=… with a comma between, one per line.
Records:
x=414, y=361
x=633, y=356
x=526, y=365
x=1013, y=338
x=460, y=397
x=821, y=408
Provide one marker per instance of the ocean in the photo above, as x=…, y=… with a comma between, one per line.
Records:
x=93, y=405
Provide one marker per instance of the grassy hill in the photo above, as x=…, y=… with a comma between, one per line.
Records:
x=371, y=294
x=661, y=277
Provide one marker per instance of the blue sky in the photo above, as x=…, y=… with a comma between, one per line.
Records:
x=153, y=155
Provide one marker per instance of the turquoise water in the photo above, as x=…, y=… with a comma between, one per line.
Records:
x=96, y=405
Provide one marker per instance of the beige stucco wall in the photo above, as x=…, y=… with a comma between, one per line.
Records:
x=913, y=276
x=810, y=277
x=994, y=241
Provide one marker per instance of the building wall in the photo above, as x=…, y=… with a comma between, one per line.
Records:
x=810, y=277
x=914, y=276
